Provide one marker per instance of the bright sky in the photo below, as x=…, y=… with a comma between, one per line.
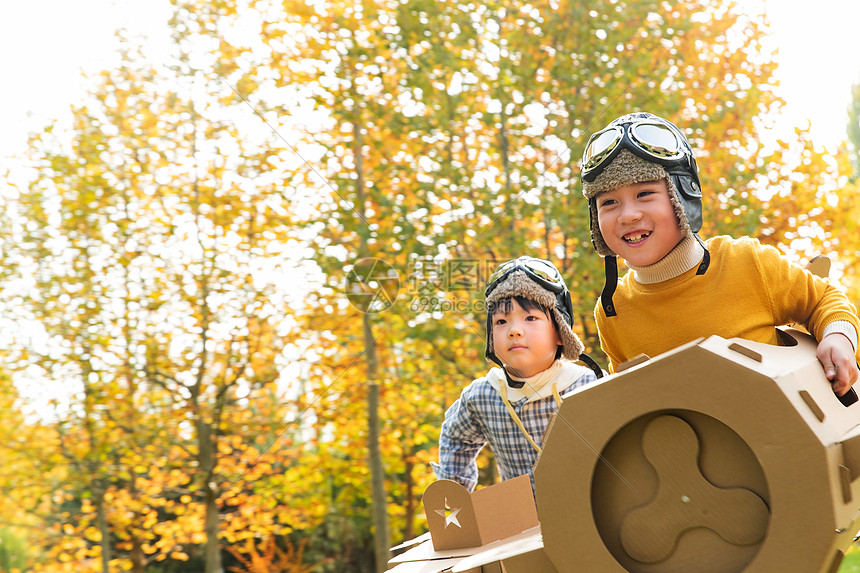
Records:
x=46, y=43
x=45, y=46
x=818, y=62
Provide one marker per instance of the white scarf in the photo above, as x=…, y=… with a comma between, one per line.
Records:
x=561, y=374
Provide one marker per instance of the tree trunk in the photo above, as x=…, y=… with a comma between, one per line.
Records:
x=206, y=458
x=136, y=555
x=104, y=530
x=381, y=539
x=377, y=471
x=213, y=549
x=411, y=502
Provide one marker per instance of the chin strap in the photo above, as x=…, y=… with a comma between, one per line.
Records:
x=511, y=382
x=706, y=260
x=592, y=365
x=610, y=266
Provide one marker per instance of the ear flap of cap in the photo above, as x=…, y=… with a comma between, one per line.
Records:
x=572, y=345
x=689, y=195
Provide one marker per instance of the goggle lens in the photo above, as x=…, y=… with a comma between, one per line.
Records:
x=543, y=270
x=538, y=269
x=600, y=145
x=658, y=140
x=499, y=273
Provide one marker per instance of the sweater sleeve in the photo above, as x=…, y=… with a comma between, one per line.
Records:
x=844, y=328
x=460, y=441
x=799, y=296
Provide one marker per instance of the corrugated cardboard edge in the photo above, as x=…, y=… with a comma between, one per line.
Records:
x=851, y=452
x=526, y=542
x=435, y=566
x=411, y=542
x=425, y=552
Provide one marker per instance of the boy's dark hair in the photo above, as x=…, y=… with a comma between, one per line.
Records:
x=504, y=305
x=527, y=304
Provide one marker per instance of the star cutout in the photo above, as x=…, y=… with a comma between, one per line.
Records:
x=450, y=518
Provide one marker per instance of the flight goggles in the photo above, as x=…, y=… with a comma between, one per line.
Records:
x=542, y=272
x=648, y=138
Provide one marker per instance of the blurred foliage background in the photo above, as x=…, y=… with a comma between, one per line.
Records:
x=252, y=274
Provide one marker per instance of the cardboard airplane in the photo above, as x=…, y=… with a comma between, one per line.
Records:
x=718, y=456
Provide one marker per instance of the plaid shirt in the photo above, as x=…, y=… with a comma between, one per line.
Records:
x=479, y=417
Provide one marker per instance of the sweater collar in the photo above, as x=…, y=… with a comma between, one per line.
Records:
x=686, y=255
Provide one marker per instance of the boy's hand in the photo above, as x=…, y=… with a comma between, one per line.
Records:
x=837, y=356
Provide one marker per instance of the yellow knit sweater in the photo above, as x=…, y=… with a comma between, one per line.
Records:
x=747, y=291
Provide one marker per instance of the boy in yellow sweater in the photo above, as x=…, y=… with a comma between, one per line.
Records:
x=645, y=203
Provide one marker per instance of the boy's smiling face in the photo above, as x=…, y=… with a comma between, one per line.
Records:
x=524, y=340
x=638, y=222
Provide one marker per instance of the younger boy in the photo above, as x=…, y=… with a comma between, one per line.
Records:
x=645, y=204
x=529, y=317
